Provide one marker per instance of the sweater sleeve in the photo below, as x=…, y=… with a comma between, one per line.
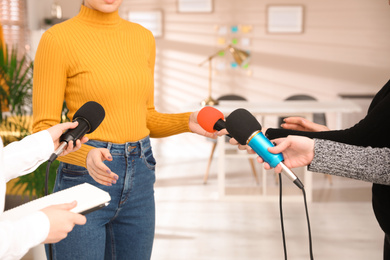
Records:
x=356, y=162
x=162, y=124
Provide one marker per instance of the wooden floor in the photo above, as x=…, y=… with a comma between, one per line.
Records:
x=193, y=223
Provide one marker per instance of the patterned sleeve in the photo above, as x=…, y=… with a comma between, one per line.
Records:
x=356, y=162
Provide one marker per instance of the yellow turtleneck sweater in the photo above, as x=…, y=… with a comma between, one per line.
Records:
x=100, y=57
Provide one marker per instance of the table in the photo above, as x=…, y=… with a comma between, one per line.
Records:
x=277, y=108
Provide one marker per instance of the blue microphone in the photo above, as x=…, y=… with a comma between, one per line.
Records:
x=245, y=128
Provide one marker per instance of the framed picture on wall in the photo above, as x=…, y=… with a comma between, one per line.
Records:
x=285, y=19
x=194, y=6
x=151, y=20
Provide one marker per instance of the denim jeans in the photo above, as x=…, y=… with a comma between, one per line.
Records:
x=125, y=228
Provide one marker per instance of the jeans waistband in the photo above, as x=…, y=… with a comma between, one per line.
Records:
x=128, y=148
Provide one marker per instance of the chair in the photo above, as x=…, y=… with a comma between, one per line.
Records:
x=319, y=118
x=251, y=160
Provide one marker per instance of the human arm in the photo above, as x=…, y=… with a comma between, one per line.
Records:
x=24, y=156
x=48, y=225
x=96, y=168
x=18, y=236
x=167, y=124
x=62, y=221
x=356, y=162
x=50, y=81
x=372, y=130
x=302, y=124
x=329, y=157
x=48, y=96
x=297, y=151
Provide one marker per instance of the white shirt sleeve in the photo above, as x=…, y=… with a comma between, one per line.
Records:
x=22, y=157
x=17, y=237
x=19, y=158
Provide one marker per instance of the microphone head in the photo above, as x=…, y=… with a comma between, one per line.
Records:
x=92, y=112
x=208, y=117
x=241, y=124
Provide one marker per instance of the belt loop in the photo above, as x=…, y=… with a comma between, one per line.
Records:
x=109, y=145
x=144, y=144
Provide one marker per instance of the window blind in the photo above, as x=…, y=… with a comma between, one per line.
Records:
x=13, y=18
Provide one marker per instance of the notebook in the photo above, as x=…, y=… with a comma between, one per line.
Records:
x=89, y=198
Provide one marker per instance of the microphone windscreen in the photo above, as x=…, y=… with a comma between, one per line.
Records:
x=207, y=117
x=241, y=124
x=92, y=112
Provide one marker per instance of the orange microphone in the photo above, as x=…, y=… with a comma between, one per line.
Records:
x=211, y=119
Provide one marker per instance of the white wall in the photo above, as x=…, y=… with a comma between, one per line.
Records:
x=344, y=48
x=40, y=9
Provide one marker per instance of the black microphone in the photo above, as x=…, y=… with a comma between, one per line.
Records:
x=245, y=128
x=89, y=116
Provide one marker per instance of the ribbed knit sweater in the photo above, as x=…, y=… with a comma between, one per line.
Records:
x=100, y=57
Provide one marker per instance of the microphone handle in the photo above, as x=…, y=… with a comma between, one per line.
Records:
x=219, y=125
x=57, y=152
x=71, y=135
x=260, y=144
x=76, y=133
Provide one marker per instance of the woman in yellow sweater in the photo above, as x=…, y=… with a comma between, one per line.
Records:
x=97, y=56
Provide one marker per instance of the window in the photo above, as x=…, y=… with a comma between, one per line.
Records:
x=195, y=6
x=151, y=20
x=13, y=17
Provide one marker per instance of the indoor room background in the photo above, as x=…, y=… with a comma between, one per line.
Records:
x=343, y=49
x=340, y=51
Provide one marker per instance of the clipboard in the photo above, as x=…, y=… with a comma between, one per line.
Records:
x=89, y=198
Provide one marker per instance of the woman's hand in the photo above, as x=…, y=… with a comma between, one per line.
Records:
x=56, y=132
x=97, y=169
x=196, y=128
x=62, y=221
x=302, y=124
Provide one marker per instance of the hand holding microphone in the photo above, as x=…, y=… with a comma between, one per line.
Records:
x=57, y=131
x=245, y=128
x=212, y=120
x=298, y=151
x=89, y=116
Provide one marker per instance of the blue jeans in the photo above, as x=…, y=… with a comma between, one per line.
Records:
x=125, y=228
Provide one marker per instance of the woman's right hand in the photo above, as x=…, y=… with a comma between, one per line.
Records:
x=302, y=124
x=97, y=169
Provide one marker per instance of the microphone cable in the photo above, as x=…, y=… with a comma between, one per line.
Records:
x=308, y=226
x=50, y=254
x=281, y=216
x=282, y=223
